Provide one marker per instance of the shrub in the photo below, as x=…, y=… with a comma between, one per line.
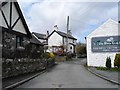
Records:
x=68, y=57
x=117, y=60
x=108, y=62
x=45, y=55
x=51, y=55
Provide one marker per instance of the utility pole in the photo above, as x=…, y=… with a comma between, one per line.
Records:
x=67, y=34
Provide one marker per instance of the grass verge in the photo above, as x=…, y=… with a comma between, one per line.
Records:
x=108, y=69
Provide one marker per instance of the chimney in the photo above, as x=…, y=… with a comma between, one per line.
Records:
x=47, y=34
x=56, y=28
x=69, y=32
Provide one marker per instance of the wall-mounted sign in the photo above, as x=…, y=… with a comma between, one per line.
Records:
x=106, y=44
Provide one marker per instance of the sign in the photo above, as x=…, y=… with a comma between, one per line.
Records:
x=106, y=44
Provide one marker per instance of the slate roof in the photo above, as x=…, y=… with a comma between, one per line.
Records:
x=39, y=35
x=34, y=40
x=62, y=34
x=65, y=35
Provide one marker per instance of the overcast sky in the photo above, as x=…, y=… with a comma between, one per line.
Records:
x=85, y=17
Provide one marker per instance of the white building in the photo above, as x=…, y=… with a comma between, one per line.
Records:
x=102, y=43
x=41, y=37
x=57, y=41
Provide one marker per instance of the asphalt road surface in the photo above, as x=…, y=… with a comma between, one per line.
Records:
x=68, y=75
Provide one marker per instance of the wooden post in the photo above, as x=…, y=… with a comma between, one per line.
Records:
x=67, y=34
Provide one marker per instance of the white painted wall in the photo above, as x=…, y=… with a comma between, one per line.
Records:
x=6, y=10
x=69, y=45
x=15, y=14
x=109, y=28
x=19, y=27
x=69, y=48
x=55, y=40
x=2, y=21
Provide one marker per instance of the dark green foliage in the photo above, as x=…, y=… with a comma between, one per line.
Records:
x=68, y=56
x=117, y=60
x=45, y=55
x=106, y=69
x=81, y=50
x=108, y=62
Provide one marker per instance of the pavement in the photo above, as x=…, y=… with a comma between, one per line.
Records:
x=112, y=76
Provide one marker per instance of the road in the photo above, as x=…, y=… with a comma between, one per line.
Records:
x=68, y=75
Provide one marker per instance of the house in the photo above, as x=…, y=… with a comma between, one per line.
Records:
x=14, y=30
x=21, y=51
x=57, y=41
x=41, y=37
x=102, y=43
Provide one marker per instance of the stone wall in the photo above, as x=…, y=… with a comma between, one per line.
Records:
x=20, y=61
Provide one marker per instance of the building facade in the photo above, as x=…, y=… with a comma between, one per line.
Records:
x=61, y=42
x=41, y=37
x=14, y=30
x=21, y=51
x=102, y=43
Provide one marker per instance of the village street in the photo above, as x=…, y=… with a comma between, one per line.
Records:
x=70, y=74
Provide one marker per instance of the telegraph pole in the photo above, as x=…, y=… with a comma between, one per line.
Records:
x=67, y=33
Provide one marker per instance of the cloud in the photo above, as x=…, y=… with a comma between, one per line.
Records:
x=84, y=16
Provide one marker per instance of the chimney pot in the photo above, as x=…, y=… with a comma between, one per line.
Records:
x=56, y=27
x=47, y=34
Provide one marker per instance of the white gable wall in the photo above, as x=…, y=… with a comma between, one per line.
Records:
x=2, y=21
x=6, y=10
x=19, y=27
x=55, y=40
x=15, y=14
x=110, y=28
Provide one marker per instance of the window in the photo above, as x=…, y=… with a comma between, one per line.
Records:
x=71, y=47
x=19, y=41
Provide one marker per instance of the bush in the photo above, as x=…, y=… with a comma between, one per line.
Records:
x=68, y=57
x=117, y=60
x=108, y=62
x=45, y=55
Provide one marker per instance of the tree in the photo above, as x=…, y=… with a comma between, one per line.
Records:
x=117, y=60
x=80, y=49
